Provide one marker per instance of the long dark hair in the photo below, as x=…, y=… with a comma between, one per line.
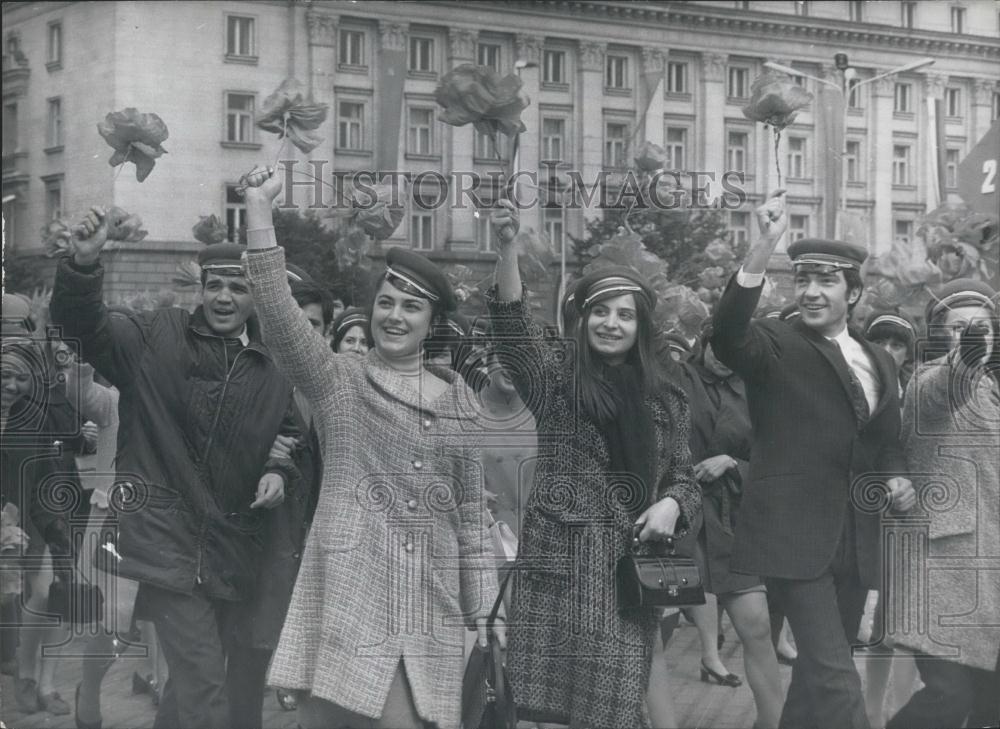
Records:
x=597, y=398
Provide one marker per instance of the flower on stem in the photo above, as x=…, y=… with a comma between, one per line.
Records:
x=136, y=137
x=290, y=114
x=378, y=209
x=480, y=96
x=775, y=100
x=209, y=230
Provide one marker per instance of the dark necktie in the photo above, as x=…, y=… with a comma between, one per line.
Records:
x=858, y=400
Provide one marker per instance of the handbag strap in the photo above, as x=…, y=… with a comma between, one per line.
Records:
x=636, y=529
x=496, y=603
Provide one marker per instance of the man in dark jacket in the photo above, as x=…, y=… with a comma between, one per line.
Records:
x=201, y=404
x=825, y=411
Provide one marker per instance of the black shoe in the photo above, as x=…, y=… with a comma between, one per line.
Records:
x=287, y=700
x=80, y=724
x=730, y=679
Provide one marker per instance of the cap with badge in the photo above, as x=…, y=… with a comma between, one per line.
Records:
x=297, y=273
x=418, y=276
x=349, y=318
x=607, y=283
x=961, y=292
x=890, y=325
x=835, y=254
x=223, y=259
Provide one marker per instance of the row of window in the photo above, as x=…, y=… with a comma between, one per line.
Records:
x=856, y=13
x=53, y=47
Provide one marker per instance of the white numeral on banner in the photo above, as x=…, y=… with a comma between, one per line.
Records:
x=990, y=170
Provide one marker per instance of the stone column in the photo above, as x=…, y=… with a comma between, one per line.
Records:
x=590, y=129
x=458, y=152
x=881, y=163
x=529, y=49
x=712, y=157
x=982, y=109
x=322, y=55
x=651, y=96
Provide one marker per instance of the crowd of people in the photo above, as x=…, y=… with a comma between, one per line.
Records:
x=286, y=495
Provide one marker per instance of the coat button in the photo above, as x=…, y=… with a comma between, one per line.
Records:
x=411, y=504
x=427, y=423
x=296, y=555
x=409, y=546
x=418, y=464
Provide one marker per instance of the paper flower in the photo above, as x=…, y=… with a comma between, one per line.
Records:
x=209, y=230
x=289, y=113
x=57, y=235
x=479, y=95
x=187, y=275
x=775, y=100
x=136, y=138
x=124, y=227
x=378, y=209
x=650, y=157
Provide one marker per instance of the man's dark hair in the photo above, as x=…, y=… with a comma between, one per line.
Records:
x=306, y=292
x=341, y=291
x=853, y=278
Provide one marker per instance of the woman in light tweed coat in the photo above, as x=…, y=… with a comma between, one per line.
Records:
x=398, y=563
x=613, y=454
x=951, y=436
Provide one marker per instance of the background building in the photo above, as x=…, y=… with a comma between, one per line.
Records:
x=205, y=68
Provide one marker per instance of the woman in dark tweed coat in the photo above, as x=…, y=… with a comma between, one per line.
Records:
x=610, y=429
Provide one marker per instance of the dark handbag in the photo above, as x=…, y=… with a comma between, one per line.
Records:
x=657, y=580
x=77, y=603
x=487, y=701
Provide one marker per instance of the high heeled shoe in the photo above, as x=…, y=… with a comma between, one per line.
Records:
x=287, y=700
x=730, y=679
x=80, y=723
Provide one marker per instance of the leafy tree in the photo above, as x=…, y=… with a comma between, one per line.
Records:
x=25, y=274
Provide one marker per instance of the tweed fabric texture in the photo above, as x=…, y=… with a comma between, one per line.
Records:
x=572, y=653
x=398, y=563
x=952, y=447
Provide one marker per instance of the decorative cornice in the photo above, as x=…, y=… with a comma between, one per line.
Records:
x=322, y=29
x=392, y=35
x=982, y=91
x=713, y=67
x=935, y=84
x=592, y=56
x=653, y=60
x=529, y=48
x=462, y=44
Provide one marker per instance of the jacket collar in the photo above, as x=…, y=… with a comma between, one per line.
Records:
x=199, y=325
x=457, y=401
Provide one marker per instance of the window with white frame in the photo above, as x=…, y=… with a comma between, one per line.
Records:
x=54, y=133
x=953, y=102
x=239, y=36
x=236, y=213
x=554, y=67
x=901, y=164
x=554, y=221
x=488, y=54
x=908, y=13
x=616, y=72
x=422, y=230
x=739, y=227
x=676, y=148
x=239, y=117
x=53, y=198
x=797, y=157
x=901, y=98
x=801, y=7
x=553, y=138
x=902, y=231
x=677, y=77
x=485, y=146
x=798, y=227
x=55, y=45
x=350, y=125
x=739, y=82
x=615, y=141
x=957, y=19
x=951, y=160
x=420, y=131
x=852, y=161
x=421, y=54
x=857, y=11
x=736, y=151
x=351, y=48
x=854, y=95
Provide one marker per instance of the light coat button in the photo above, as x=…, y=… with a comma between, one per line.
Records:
x=427, y=423
x=409, y=546
x=411, y=504
x=418, y=464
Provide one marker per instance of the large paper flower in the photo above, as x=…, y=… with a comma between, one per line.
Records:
x=650, y=157
x=57, y=235
x=289, y=113
x=775, y=100
x=136, y=138
x=378, y=210
x=209, y=230
x=479, y=95
x=124, y=227
x=187, y=275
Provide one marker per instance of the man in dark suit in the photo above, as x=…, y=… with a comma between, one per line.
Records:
x=825, y=411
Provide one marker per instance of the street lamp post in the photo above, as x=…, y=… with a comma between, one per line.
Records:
x=848, y=74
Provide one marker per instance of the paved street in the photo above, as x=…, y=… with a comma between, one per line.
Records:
x=699, y=705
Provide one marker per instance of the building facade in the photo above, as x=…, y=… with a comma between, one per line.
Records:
x=601, y=76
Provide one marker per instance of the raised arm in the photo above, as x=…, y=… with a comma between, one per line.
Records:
x=112, y=344
x=300, y=351
x=97, y=402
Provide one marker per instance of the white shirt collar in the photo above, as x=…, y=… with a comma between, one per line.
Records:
x=244, y=337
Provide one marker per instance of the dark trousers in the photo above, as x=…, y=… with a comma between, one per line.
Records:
x=190, y=629
x=246, y=679
x=824, y=614
x=952, y=694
